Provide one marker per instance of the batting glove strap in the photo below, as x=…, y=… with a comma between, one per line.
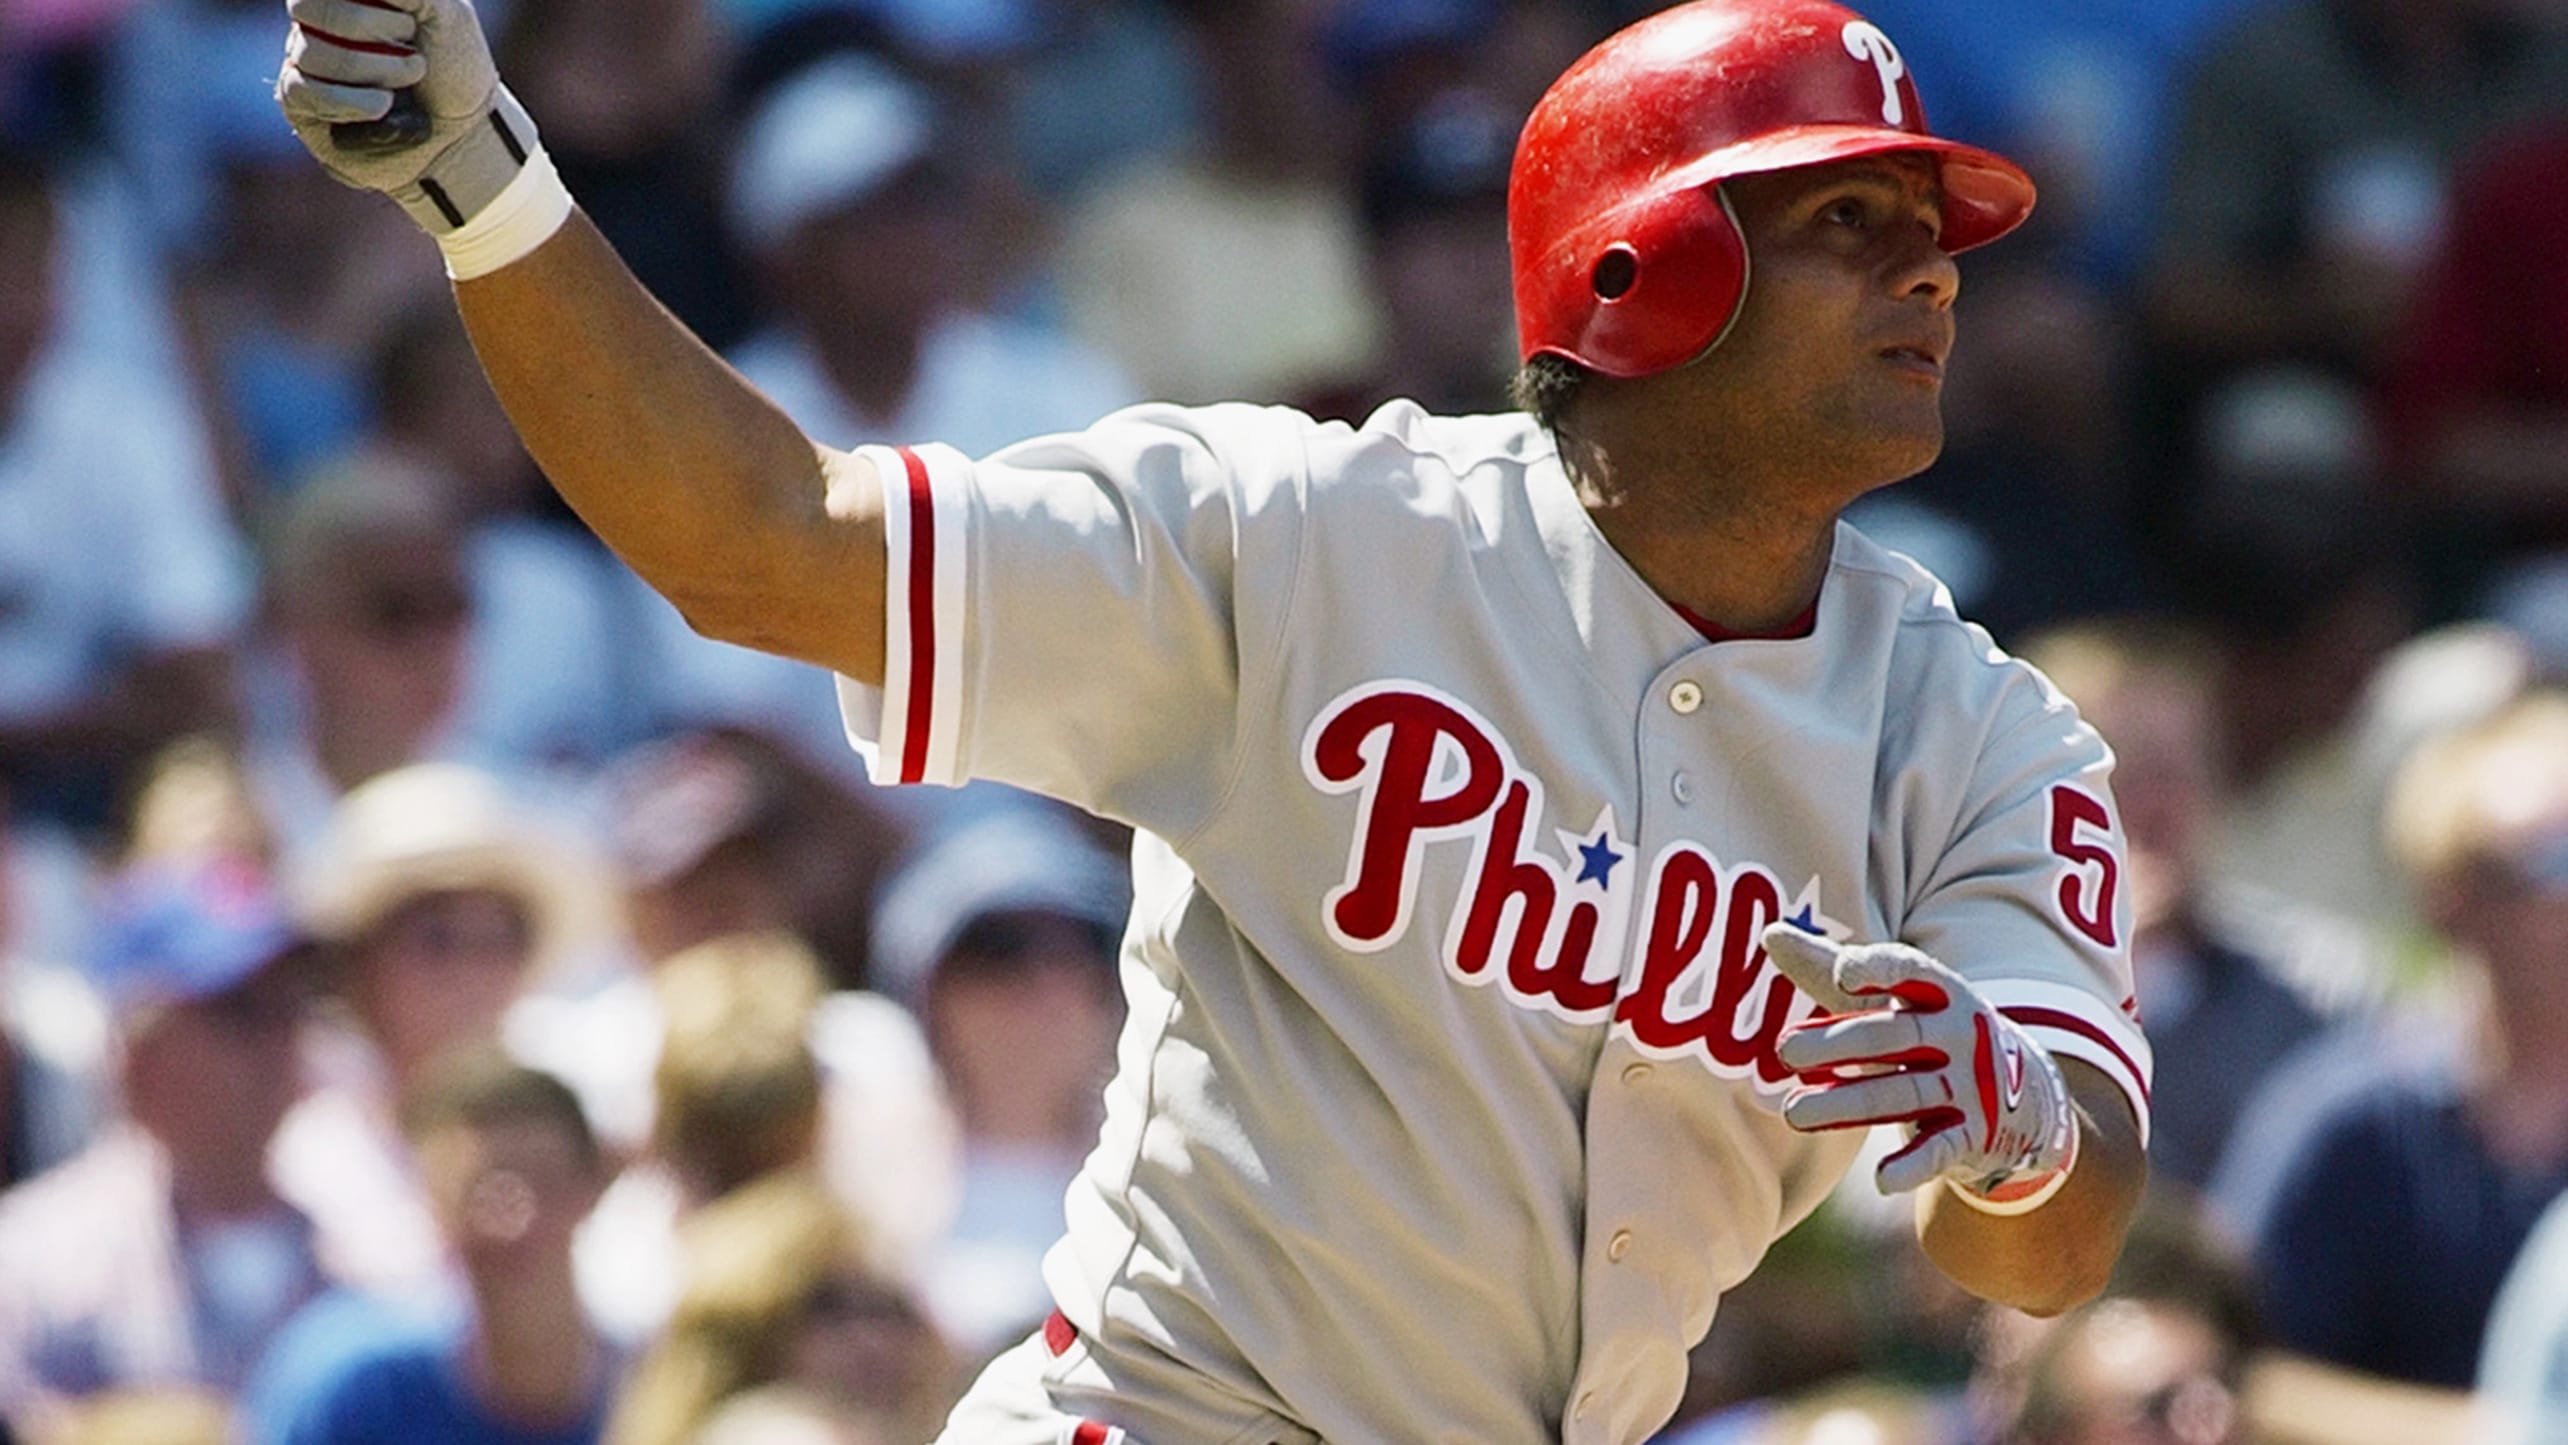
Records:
x=2020, y=1194
x=524, y=215
x=473, y=171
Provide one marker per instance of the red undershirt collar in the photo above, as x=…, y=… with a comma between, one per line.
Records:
x=1800, y=626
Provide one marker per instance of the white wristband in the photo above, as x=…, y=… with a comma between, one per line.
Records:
x=2022, y=1203
x=523, y=216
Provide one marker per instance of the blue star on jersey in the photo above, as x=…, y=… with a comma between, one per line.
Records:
x=1598, y=859
x=1807, y=917
x=1597, y=851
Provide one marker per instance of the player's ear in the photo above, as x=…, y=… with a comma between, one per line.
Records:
x=1652, y=282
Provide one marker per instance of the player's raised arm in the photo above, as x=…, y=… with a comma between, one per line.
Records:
x=757, y=534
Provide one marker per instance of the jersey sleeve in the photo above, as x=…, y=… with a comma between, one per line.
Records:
x=1073, y=615
x=2028, y=899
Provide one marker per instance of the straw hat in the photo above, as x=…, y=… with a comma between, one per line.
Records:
x=443, y=827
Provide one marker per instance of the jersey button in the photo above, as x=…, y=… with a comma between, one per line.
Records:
x=1634, y=1073
x=1685, y=697
x=1683, y=786
x=1619, y=1245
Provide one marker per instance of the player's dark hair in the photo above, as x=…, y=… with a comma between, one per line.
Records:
x=1545, y=386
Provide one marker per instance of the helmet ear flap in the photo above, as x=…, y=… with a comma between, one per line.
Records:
x=1664, y=277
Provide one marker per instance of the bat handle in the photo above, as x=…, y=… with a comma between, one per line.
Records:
x=406, y=124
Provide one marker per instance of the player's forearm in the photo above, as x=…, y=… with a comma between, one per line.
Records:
x=2059, y=1256
x=699, y=482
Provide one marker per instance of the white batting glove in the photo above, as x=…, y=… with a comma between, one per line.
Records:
x=469, y=159
x=1907, y=1041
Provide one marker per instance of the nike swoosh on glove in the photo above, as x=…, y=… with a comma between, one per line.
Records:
x=1906, y=1040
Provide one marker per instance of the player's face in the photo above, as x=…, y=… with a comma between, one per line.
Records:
x=1839, y=349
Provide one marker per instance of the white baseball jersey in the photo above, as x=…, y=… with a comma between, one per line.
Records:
x=1448, y=1103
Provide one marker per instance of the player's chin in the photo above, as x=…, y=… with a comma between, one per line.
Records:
x=1919, y=457
x=1906, y=445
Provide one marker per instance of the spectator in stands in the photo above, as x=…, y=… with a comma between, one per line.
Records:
x=53, y=1050
x=631, y=93
x=1100, y=85
x=281, y=328
x=2161, y=1359
x=1397, y=60
x=777, y=1293
x=785, y=1415
x=2400, y=1213
x=703, y=835
x=2300, y=575
x=174, y=1416
x=1236, y=270
x=369, y=607
x=2307, y=164
x=1434, y=203
x=444, y=897
x=1002, y=936
x=2420, y=1022
x=864, y=247
x=182, y=121
x=737, y=1096
x=194, y=802
x=723, y=834
x=2221, y=1009
x=723, y=831
x=738, y=1087
x=2123, y=1371
x=160, y=1256
x=510, y=1170
x=2476, y=400
x=121, y=581
x=56, y=1039
x=548, y=657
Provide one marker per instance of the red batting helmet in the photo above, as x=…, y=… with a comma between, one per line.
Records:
x=1627, y=260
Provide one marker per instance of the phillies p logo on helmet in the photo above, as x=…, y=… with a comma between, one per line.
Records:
x=1865, y=41
x=1626, y=259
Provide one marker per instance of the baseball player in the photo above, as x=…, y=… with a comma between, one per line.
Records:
x=1558, y=838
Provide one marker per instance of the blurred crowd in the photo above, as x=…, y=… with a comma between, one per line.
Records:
x=441, y=997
